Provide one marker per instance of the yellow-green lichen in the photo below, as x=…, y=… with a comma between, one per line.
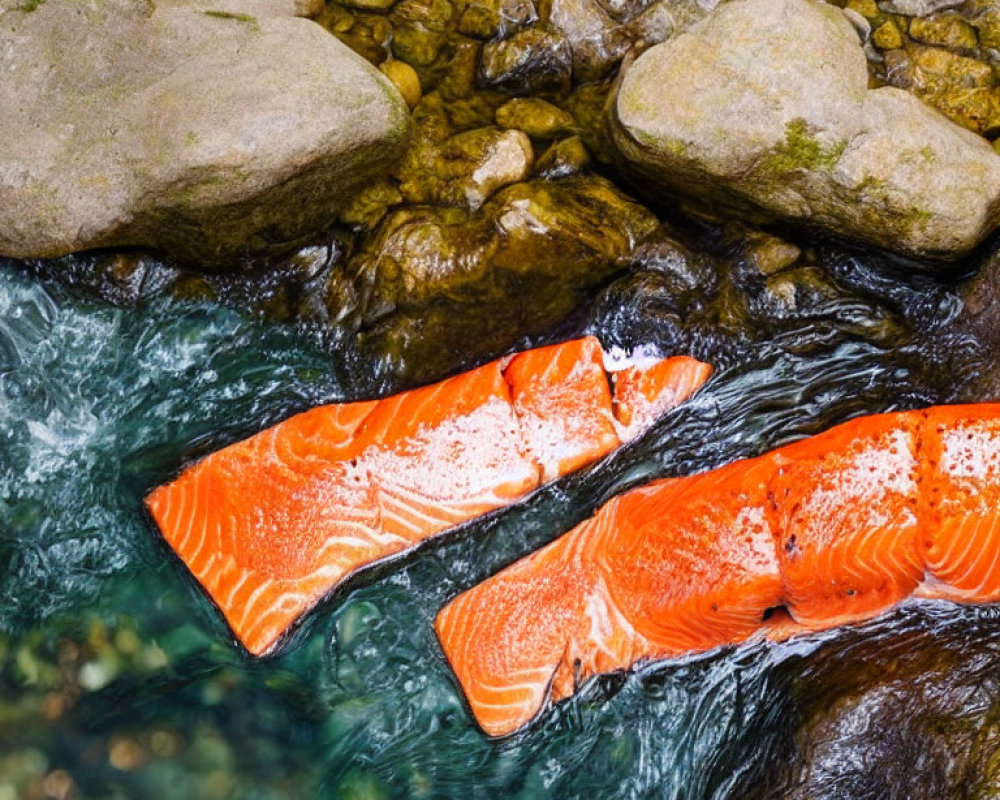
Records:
x=801, y=150
x=675, y=147
x=870, y=184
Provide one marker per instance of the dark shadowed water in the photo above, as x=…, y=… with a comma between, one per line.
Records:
x=119, y=679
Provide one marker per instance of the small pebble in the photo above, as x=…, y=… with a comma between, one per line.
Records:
x=126, y=754
x=564, y=158
x=537, y=118
x=404, y=78
x=59, y=785
x=887, y=36
x=771, y=254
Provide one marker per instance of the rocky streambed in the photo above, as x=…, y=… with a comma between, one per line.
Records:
x=216, y=214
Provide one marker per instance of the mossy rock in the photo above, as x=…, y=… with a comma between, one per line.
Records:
x=420, y=29
x=222, y=179
x=946, y=30
x=536, y=117
x=763, y=112
x=533, y=60
x=427, y=276
x=466, y=168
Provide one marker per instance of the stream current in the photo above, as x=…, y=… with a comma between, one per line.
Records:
x=118, y=678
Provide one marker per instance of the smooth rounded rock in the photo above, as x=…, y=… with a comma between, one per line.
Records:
x=763, y=111
x=214, y=135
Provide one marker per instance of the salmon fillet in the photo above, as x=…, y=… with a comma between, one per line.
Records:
x=832, y=529
x=272, y=524
x=679, y=565
x=845, y=509
x=962, y=538
x=563, y=403
x=644, y=394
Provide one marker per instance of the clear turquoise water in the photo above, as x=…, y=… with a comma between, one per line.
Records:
x=118, y=671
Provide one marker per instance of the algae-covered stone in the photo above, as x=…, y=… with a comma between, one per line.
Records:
x=466, y=168
x=587, y=104
x=763, y=111
x=961, y=88
x=454, y=73
x=404, y=78
x=986, y=20
x=534, y=59
x=537, y=118
x=420, y=29
x=947, y=30
x=368, y=35
x=936, y=68
x=215, y=137
x=563, y=158
x=485, y=19
x=371, y=203
x=367, y=5
x=868, y=9
x=887, y=36
x=428, y=276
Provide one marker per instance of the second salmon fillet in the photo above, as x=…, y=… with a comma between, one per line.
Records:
x=829, y=530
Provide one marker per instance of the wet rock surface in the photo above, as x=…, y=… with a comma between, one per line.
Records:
x=213, y=135
x=764, y=111
x=523, y=263
x=914, y=716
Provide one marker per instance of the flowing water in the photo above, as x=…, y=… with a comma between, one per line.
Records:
x=118, y=677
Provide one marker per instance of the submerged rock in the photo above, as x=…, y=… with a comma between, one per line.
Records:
x=467, y=168
x=763, y=111
x=213, y=135
x=532, y=60
x=979, y=318
x=563, y=158
x=428, y=276
x=600, y=34
x=404, y=78
x=904, y=708
x=537, y=118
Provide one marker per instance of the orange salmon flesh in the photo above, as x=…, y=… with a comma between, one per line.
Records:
x=833, y=529
x=272, y=524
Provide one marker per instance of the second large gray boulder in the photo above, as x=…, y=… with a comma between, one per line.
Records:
x=763, y=110
x=210, y=133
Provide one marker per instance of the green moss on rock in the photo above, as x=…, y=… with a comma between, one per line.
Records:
x=801, y=150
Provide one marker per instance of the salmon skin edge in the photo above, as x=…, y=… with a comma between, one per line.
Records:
x=903, y=482
x=271, y=525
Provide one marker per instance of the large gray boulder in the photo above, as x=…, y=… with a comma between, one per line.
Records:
x=763, y=110
x=195, y=128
